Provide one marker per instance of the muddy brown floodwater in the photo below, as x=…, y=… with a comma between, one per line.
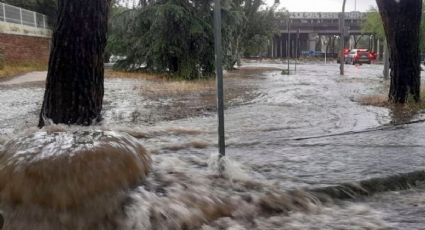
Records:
x=284, y=133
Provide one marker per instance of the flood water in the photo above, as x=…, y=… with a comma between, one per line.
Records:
x=283, y=133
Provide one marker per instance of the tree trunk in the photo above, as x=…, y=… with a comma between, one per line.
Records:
x=401, y=21
x=74, y=87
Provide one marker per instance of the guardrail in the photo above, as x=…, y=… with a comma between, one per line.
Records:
x=17, y=15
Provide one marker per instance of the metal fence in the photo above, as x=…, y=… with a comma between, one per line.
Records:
x=21, y=16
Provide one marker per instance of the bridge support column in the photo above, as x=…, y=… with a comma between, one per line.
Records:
x=347, y=42
x=273, y=47
x=281, y=46
x=351, y=42
x=323, y=43
x=312, y=41
x=375, y=43
x=276, y=47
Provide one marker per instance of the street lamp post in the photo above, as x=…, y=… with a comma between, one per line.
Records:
x=342, y=45
x=296, y=49
x=326, y=51
x=288, y=42
x=219, y=73
x=386, y=61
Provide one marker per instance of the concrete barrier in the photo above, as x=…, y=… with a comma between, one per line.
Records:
x=17, y=29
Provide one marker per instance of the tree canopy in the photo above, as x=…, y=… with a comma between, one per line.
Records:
x=176, y=36
x=373, y=23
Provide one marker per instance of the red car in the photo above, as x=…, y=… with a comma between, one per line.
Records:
x=373, y=55
x=359, y=56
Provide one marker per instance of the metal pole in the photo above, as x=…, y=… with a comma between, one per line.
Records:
x=289, y=43
x=386, y=61
x=326, y=53
x=326, y=50
x=342, y=45
x=296, y=49
x=219, y=73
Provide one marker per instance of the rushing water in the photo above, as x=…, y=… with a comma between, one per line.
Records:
x=284, y=133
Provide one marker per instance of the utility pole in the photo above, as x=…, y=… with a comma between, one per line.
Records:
x=296, y=49
x=342, y=45
x=288, y=46
x=326, y=51
x=219, y=73
x=386, y=61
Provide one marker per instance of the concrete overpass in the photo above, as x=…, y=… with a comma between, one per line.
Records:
x=318, y=32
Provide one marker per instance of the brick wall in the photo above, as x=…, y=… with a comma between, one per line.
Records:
x=24, y=49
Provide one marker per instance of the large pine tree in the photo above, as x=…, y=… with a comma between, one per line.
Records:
x=74, y=87
x=402, y=19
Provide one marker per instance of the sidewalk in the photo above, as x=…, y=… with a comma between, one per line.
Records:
x=28, y=77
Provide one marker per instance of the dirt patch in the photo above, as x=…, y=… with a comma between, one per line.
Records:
x=164, y=88
x=400, y=113
x=134, y=75
x=375, y=100
x=172, y=99
x=12, y=70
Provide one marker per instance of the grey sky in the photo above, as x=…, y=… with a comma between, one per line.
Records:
x=323, y=5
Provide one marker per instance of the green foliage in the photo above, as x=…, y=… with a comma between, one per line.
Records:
x=373, y=23
x=259, y=27
x=177, y=36
x=167, y=36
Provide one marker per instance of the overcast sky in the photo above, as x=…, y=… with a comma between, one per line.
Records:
x=323, y=5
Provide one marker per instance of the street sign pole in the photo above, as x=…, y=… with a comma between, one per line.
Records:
x=288, y=49
x=297, y=43
x=219, y=74
x=386, y=61
x=342, y=32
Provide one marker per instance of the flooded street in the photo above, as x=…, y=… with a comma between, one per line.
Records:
x=284, y=133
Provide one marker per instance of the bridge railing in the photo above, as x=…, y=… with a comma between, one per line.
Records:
x=17, y=15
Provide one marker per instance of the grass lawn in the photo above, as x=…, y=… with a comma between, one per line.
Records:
x=400, y=112
x=12, y=70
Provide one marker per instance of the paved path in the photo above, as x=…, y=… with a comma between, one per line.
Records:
x=29, y=77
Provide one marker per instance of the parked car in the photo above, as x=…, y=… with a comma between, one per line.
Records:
x=358, y=56
x=373, y=56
